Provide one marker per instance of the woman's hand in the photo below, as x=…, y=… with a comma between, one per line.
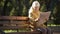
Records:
x=36, y=19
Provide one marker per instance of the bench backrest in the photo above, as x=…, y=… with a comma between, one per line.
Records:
x=15, y=22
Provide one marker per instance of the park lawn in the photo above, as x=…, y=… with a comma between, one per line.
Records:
x=52, y=25
x=19, y=30
x=25, y=30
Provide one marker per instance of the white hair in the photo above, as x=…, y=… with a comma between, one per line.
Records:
x=33, y=5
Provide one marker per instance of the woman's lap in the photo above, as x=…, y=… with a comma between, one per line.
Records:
x=45, y=30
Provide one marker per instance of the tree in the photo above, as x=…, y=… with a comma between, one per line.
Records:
x=57, y=14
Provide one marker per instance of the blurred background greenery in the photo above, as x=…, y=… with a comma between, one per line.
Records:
x=21, y=7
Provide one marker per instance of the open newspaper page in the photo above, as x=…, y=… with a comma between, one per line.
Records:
x=44, y=16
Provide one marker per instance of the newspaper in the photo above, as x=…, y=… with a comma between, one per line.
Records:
x=44, y=16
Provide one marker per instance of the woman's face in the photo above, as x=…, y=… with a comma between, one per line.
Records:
x=36, y=7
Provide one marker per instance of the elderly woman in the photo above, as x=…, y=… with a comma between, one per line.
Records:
x=34, y=15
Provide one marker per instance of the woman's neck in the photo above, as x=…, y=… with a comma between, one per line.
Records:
x=35, y=10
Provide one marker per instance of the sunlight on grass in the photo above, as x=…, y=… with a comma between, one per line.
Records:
x=52, y=25
x=19, y=30
x=25, y=30
x=9, y=31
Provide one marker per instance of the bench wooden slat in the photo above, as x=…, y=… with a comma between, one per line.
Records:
x=13, y=18
x=14, y=22
x=12, y=27
x=25, y=33
x=4, y=22
x=8, y=17
x=22, y=18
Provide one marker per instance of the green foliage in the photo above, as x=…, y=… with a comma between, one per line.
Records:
x=21, y=7
x=24, y=11
x=12, y=12
x=17, y=7
x=43, y=8
x=2, y=3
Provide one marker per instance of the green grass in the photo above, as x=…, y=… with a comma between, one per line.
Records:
x=9, y=31
x=52, y=25
x=25, y=30
x=19, y=30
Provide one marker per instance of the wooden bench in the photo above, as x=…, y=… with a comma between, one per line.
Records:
x=15, y=23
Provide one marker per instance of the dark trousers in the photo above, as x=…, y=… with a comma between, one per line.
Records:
x=49, y=31
x=45, y=30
